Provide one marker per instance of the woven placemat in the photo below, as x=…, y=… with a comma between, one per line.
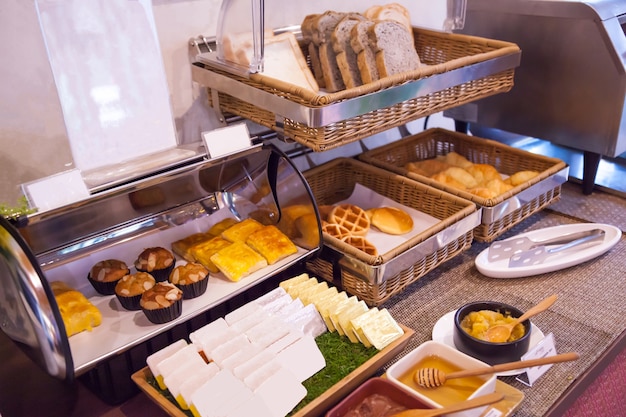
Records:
x=587, y=317
x=599, y=207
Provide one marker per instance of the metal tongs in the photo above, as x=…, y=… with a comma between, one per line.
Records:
x=505, y=249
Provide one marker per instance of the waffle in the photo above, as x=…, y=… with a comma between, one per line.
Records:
x=351, y=217
x=335, y=230
x=362, y=244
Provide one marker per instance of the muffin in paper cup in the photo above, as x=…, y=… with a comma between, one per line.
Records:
x=162, y=303
x=105, y=274
x=157, y=261
x=192, y=278
x=129, y=289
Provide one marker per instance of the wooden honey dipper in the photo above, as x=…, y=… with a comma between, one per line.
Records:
x=433, y=377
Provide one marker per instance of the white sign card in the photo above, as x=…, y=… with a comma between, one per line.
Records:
x=541, y=350
x=225, y=140
x=56, y=190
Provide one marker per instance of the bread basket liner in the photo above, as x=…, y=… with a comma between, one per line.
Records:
x=376, y=278
x=537, y=193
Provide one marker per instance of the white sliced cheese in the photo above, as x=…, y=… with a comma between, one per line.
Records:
x=242, y=312
x=215, y=326
x=253, y=406
x=160, y=355
x=247, y=322
x=275, y=305
x=292, y=308
x=221, y=352
x=271, y=296
x=187, y=354
x=308, y=321
x=260, y=375
x=287, y=340
x=195, y=381
x=281, y=392
x=293, y=358
x=253, y=363
x=216, y=392
x=241, y=356
x=212, y=341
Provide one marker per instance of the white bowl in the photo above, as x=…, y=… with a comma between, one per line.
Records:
x=456, y=358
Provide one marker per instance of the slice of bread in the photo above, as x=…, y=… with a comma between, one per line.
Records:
x=323, y=28
x=346, y=57
x=366, y=56
x=395, y=50
x=391, y=11
x=306, y=28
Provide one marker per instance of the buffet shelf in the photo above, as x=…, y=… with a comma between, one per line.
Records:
x=457, y=69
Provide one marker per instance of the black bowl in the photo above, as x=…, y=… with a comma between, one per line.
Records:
x=488, y=352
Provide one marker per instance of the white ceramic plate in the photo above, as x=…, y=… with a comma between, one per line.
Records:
x=443, y=332
x=500, y=269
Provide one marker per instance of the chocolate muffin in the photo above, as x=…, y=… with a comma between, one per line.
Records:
x=157, y=261
x=162, y=303
x=192, y=278
x=129, y=289
x=104, y=275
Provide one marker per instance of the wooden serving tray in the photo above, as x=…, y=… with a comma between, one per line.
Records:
x=316, y=407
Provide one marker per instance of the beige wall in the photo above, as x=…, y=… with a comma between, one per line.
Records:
x=33, y=139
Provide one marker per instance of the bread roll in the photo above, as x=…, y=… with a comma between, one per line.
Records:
x=521, y=177
x=308, y=231
x=427, y=167
x=483, y=173
x=462, y=176
x=391, y=220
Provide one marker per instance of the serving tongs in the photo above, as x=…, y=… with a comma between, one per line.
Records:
x=505, y=249
x=539, y=254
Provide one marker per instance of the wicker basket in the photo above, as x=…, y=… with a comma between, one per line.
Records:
x=506, y=159
x=335, y=181
x=443, y=53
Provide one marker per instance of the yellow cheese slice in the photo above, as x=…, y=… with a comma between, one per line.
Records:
x=357, y=322
x=290, y=282
x=349, y=314
x=307, y=294
x=339, y=309
x=382, y=329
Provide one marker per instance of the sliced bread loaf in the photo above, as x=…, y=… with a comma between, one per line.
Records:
x=314, y=55
x=390, y=11
x=395, y=50
x=346, y=57
x=366, y=56
x=323, y=28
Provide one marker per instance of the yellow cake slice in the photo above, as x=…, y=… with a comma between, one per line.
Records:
x=238, y=260
x=239, y=232
x=271, y=243
x=76, y=310
x=203, y=251
x=219, y=227
x=183, y=246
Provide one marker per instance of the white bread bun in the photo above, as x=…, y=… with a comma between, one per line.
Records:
x=391, y=220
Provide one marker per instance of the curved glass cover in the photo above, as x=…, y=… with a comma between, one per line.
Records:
x=28, y=313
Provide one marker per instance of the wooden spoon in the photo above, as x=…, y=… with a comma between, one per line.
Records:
x=487, y=399
x=433, y=377
x=502, y=332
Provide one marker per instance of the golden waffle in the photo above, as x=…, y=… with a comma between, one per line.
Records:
x=239, y=232
x=335, y=230
x=362, y=244
x=351, y=217
x=238, y=260
x=271, y=243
